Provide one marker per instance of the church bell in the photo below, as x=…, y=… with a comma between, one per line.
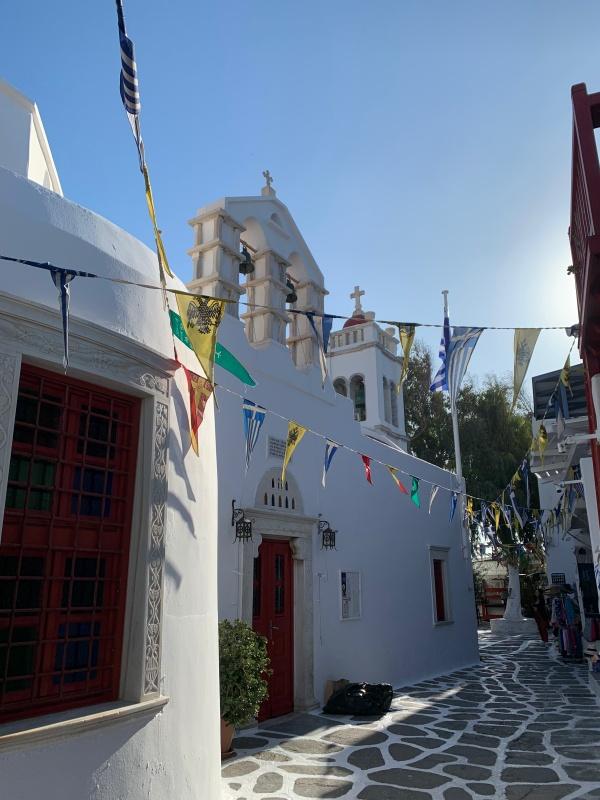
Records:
x=246, y=264
x=291, y=297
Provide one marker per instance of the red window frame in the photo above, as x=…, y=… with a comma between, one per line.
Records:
x=64, y=550
x=439, y=588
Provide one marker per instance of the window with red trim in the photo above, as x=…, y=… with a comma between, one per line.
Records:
x=65, y=544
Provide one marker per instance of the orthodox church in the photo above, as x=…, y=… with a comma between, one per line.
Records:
x=119, y=550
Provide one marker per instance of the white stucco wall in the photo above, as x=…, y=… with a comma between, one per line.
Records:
x=381, y=533
x=173, y=753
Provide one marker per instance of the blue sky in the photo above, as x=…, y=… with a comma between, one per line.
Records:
x=419, y=145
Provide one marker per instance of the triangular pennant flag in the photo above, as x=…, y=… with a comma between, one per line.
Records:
x=496, y=515
x=469, y=508
x=462, y=345
x=200, y=390
x=367, y=465
x=414, y=492
x=513, y=500
x=483, y=511
x=565, y=375
x=61, y=279
x=407, y=336
x=393, y=472
x=331, y=449
x=524, y=470
x=524, y=344
x=294, y=436
x=310, y=315
x=200, y=317
x=542, y=442
x=254, y=416
x=434, y=491
x=453, y=502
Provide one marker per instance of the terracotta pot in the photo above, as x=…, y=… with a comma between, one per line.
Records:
x=227, y=732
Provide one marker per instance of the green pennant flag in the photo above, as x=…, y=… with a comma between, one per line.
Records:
x=223, y=357
x=414, y=492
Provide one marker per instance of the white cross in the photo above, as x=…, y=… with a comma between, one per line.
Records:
x=356, y=295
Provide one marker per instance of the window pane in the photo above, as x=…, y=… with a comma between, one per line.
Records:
x=438, y=579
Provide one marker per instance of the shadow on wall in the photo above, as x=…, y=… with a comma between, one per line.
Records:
x=177, y=451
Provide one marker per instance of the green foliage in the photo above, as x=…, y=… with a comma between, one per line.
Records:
x=493, y=438
x=243, y=668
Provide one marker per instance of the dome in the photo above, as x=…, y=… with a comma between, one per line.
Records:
x=357, y=319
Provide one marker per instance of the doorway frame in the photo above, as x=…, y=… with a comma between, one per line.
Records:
x=298, y=530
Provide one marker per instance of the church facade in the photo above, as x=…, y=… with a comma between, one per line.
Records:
x=118, y=552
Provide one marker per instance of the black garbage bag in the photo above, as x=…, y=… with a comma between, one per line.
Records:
x=360, y=699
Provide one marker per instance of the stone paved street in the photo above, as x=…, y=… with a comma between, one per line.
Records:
x=523, y=725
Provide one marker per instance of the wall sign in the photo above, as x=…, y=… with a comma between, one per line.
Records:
x=350, y=595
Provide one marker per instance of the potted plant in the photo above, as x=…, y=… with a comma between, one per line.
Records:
x=243, y=669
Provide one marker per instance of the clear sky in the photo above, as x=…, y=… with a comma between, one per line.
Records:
x=420, y=145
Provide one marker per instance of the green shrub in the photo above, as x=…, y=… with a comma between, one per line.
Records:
x=243, y=669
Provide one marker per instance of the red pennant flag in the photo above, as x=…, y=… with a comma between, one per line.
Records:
x=200, y=390
x=367, y=462
x=393, y=472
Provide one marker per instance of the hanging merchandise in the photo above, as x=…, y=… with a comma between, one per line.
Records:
x=200, y=390
x=414, y=491
x=331, y=449
x=406, y=333
x=254, y=416
x=367, y=465
x=524, y=344
x=394, y=473
x=200, y=317
x=434, y=491
x=294, y=437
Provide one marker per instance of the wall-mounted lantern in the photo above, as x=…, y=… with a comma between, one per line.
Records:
x=243, y=525
x=327, y=535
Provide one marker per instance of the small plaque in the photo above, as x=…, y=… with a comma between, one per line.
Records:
x=350, y=595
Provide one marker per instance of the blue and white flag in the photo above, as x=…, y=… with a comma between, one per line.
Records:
x=254, y=416
x=453, y=502
x=61, y=279
x=462, y=344
x=322, y=341
x=130, y=93
x=440, y=382
x=330, y=450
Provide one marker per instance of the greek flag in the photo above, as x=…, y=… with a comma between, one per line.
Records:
x=330, y=450
x=461, y=348
x=130, y=93
x=322, y=341
x=440, y=382
x=254, y=416
x=453, y=502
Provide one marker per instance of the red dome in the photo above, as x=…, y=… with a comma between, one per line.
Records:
x=357, y=320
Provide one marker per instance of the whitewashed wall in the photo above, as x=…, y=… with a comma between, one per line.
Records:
x=173, y=752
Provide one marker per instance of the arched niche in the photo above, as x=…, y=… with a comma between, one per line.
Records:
x=341, y=387
x=273, y=493
x=358, y=396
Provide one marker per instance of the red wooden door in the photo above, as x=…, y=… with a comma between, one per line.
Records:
x=272, y=617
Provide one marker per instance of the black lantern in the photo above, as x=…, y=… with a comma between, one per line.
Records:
x=291, y=297
x=243, y=526
x=246, y=264
x=327, y=535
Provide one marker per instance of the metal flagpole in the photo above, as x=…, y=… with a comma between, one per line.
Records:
x=453, y=410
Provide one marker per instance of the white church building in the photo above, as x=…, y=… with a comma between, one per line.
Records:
x=117, y=551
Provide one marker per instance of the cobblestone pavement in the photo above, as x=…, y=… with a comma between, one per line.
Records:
x=522, y=725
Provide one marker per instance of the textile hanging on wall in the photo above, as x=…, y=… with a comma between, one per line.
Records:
x=393, y=472
x=331, y=449
x=200, y=317
x=294, y=437
x=200, y=390
x=524, y=343
x=254, y=416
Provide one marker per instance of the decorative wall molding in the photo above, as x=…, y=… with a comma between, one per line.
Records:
x=156, y=555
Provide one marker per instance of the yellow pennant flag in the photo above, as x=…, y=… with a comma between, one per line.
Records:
x=524, y=343
x=469, y=507
x=200, y=316
x=394, y=473
x=160, y=248
x=496, y=508
x=565, y=375
x=407, y=337
x=294, y=435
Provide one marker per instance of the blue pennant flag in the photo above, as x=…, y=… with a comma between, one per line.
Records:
x=322, y=341
x=61, y=279
x=254, y=416
x=330, y=450
x=453, y=502
x=524, y=470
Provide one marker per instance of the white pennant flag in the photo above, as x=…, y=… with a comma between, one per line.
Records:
x=434, y=491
